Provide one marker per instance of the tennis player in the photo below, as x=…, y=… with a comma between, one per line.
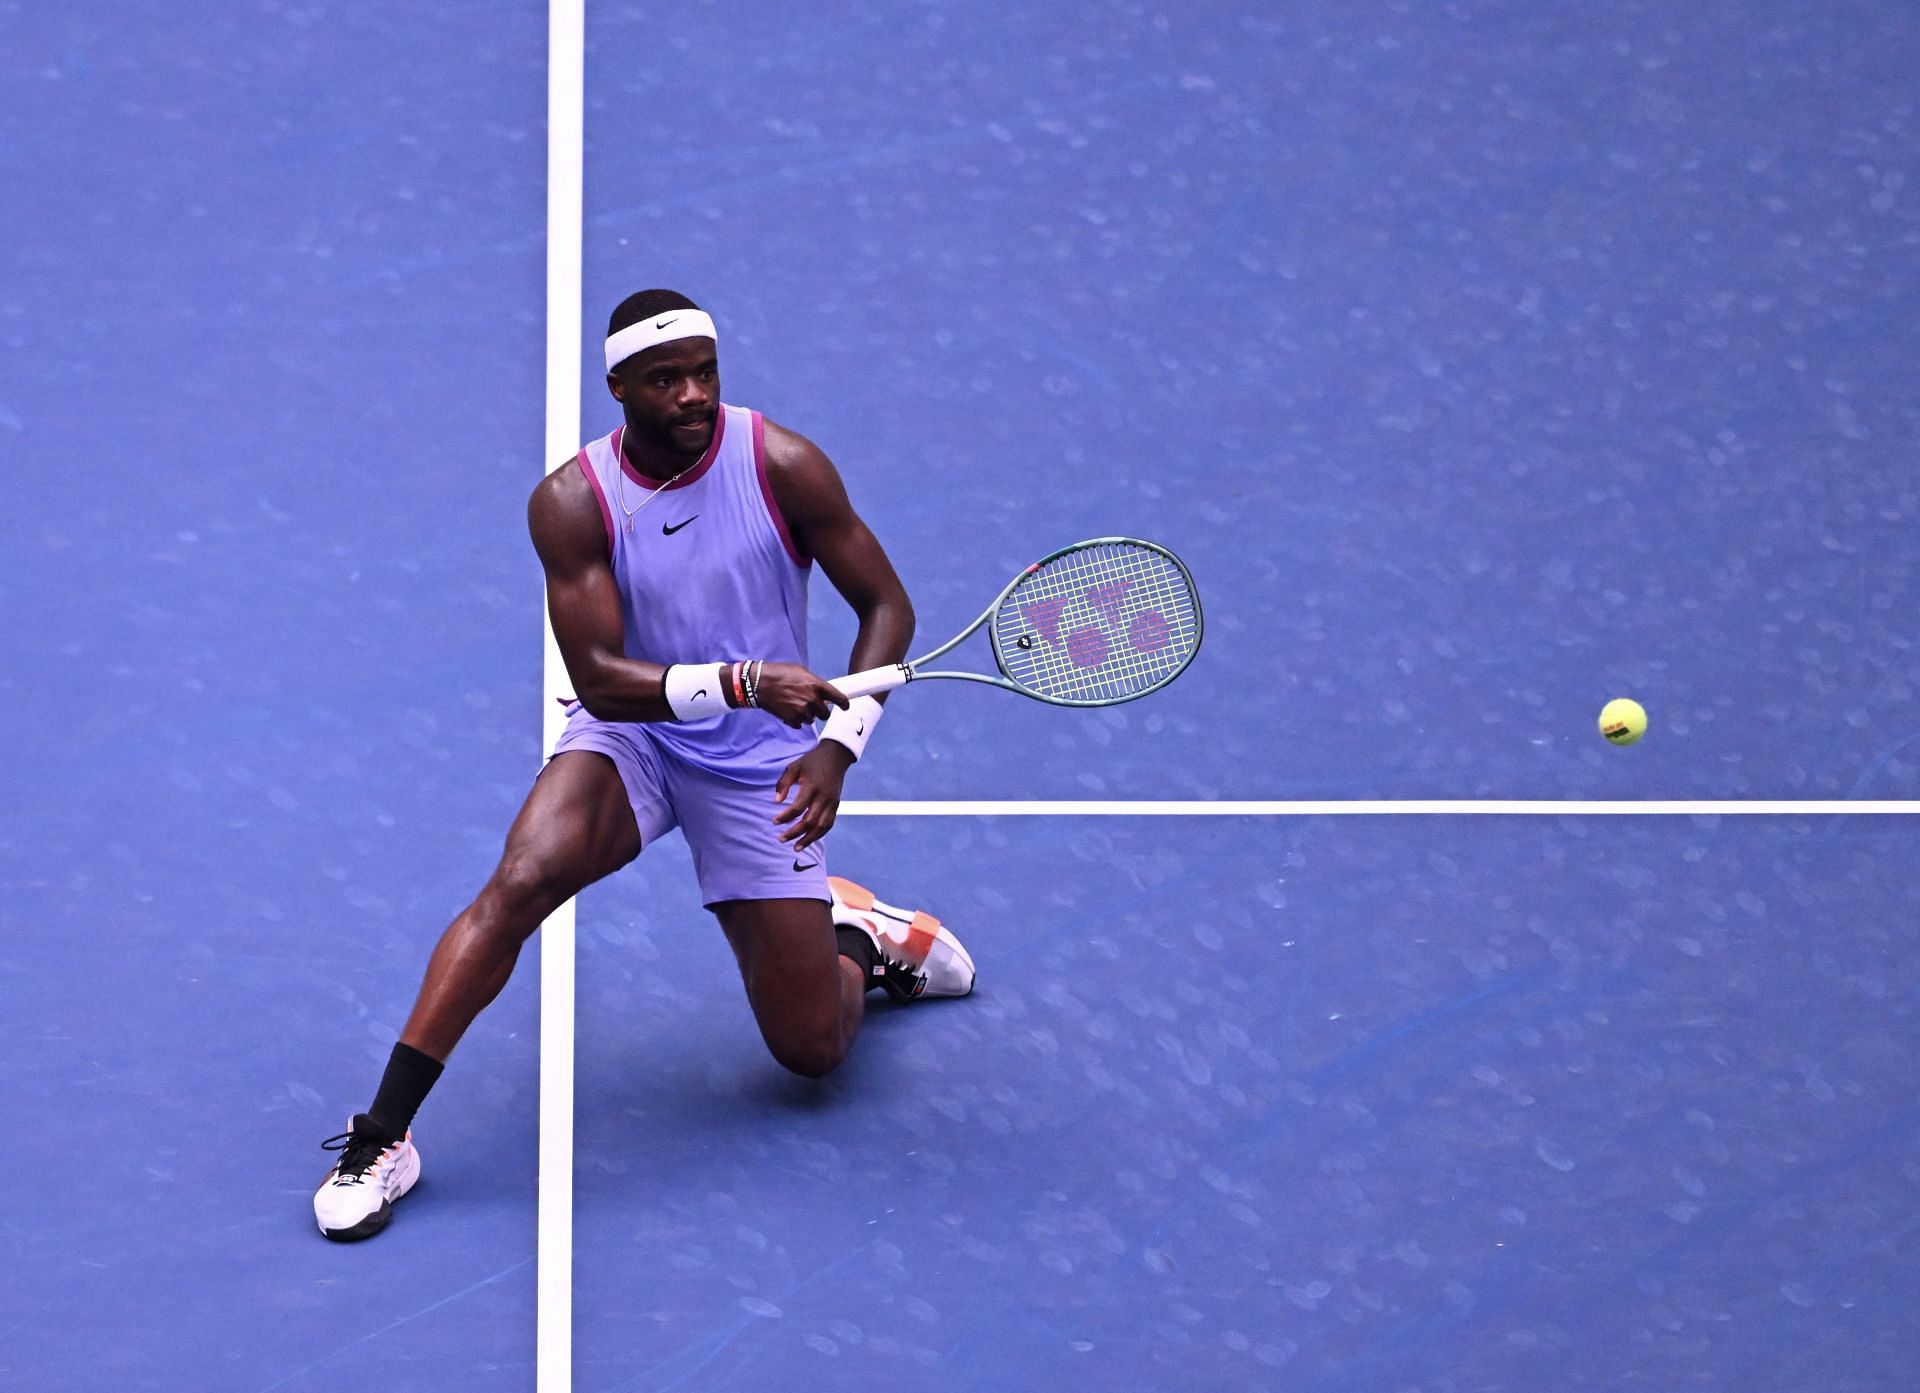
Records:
x=677, y=553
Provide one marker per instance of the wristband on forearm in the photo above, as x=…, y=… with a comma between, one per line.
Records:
x=853, y=727
x=695, y=691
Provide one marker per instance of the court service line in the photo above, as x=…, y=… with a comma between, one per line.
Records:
x=566, y=159
x=1037, y=807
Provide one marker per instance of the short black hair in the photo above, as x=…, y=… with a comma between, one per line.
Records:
x=645, y=304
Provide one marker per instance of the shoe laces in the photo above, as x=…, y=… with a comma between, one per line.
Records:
x=359, y=1153
x=901, y=978
x=894, y=953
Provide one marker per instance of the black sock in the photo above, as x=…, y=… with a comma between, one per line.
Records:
x=857, y=945
x=403, y=1088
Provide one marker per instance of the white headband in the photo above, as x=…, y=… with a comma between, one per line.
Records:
x=650, y=332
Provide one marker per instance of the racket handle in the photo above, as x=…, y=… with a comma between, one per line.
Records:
x=874, y=679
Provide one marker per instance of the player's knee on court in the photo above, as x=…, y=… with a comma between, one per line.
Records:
x=811, y=1053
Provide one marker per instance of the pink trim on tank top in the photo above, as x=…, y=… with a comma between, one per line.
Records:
x=693, y=474
x=766, y=490
x=606, y=513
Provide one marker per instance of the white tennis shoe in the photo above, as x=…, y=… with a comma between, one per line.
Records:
x=356, y=1199
x=919, y=956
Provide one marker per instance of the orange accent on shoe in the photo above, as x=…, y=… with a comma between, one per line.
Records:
x=851, y=895
x=922, y=934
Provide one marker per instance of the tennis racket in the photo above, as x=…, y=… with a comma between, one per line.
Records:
x=1094, y=624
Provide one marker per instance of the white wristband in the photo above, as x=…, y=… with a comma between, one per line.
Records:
x=853, y=727
x=695, y=691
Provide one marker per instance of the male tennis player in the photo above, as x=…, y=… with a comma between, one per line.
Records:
x=677, y=552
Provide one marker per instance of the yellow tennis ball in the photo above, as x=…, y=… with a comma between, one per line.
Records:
x=1623, y=721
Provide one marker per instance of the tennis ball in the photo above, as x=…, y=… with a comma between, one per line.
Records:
x=1623, y=721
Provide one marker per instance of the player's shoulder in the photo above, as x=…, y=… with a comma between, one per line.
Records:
x=791, y=452
x=563, y=506
x=566, y=482
x=804, y=482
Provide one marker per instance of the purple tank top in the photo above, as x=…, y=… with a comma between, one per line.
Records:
x=708, y=573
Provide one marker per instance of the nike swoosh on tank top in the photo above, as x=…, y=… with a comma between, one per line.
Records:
x=708, y=573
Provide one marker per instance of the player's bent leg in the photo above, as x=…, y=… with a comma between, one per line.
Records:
x=806, y=998
x=576, y=827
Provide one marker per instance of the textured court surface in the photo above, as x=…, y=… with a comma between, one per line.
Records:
x=1415, y=1103
x=1483, y=361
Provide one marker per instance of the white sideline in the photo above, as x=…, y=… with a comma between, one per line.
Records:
x=566, y=138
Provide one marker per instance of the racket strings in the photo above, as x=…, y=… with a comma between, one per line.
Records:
x=1106, y=622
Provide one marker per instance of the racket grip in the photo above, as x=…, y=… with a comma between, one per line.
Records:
x=874, y=679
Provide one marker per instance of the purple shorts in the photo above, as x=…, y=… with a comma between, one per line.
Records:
x=737, y=851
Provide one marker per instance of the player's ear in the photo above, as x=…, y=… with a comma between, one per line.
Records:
x=613, y=385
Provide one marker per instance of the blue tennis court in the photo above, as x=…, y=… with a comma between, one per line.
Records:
x=1483, y=362
x=1417, y=1102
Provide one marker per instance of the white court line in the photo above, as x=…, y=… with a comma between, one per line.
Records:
x=1021, y=807
x=566, y=142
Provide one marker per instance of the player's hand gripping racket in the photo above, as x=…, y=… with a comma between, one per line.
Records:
x=1094, y=624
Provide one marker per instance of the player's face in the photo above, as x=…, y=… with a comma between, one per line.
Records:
x=671, y=395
